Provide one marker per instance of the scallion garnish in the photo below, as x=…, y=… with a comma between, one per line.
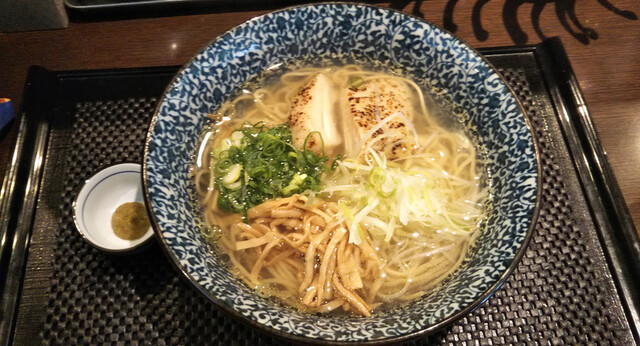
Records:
x=269, y=164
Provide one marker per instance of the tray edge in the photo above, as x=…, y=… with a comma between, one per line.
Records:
x=614, y=225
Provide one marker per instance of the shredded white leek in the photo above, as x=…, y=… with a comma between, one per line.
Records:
x=386, y=198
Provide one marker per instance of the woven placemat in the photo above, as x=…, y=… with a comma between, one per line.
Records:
x=560, y=293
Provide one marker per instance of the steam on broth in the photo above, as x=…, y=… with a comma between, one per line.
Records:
x=336, y=189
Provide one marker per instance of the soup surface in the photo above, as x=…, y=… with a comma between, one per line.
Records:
x=340, y=188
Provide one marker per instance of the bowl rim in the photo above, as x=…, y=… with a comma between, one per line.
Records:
x=76, y=222
x=477, y=302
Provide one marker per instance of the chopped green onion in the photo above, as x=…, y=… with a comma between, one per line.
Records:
x=377, y=176
x=356, y=82
x=237, y=135
x=270, y=165
x=234, y=186
x=233, y=173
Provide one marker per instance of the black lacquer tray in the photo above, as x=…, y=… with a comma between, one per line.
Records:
x=574, y=285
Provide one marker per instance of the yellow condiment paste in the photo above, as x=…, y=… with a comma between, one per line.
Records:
x=130, y=221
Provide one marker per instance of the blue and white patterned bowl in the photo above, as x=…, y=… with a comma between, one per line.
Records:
x=343, y=33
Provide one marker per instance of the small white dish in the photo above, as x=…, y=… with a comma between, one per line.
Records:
x=99, y=198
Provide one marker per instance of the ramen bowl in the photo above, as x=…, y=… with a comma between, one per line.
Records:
x=340, y=34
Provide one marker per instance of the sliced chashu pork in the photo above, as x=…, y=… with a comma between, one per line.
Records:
x=353, y=117
x=313, y=109
x=369, y=105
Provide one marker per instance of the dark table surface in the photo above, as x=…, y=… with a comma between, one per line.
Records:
x=601, y=38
